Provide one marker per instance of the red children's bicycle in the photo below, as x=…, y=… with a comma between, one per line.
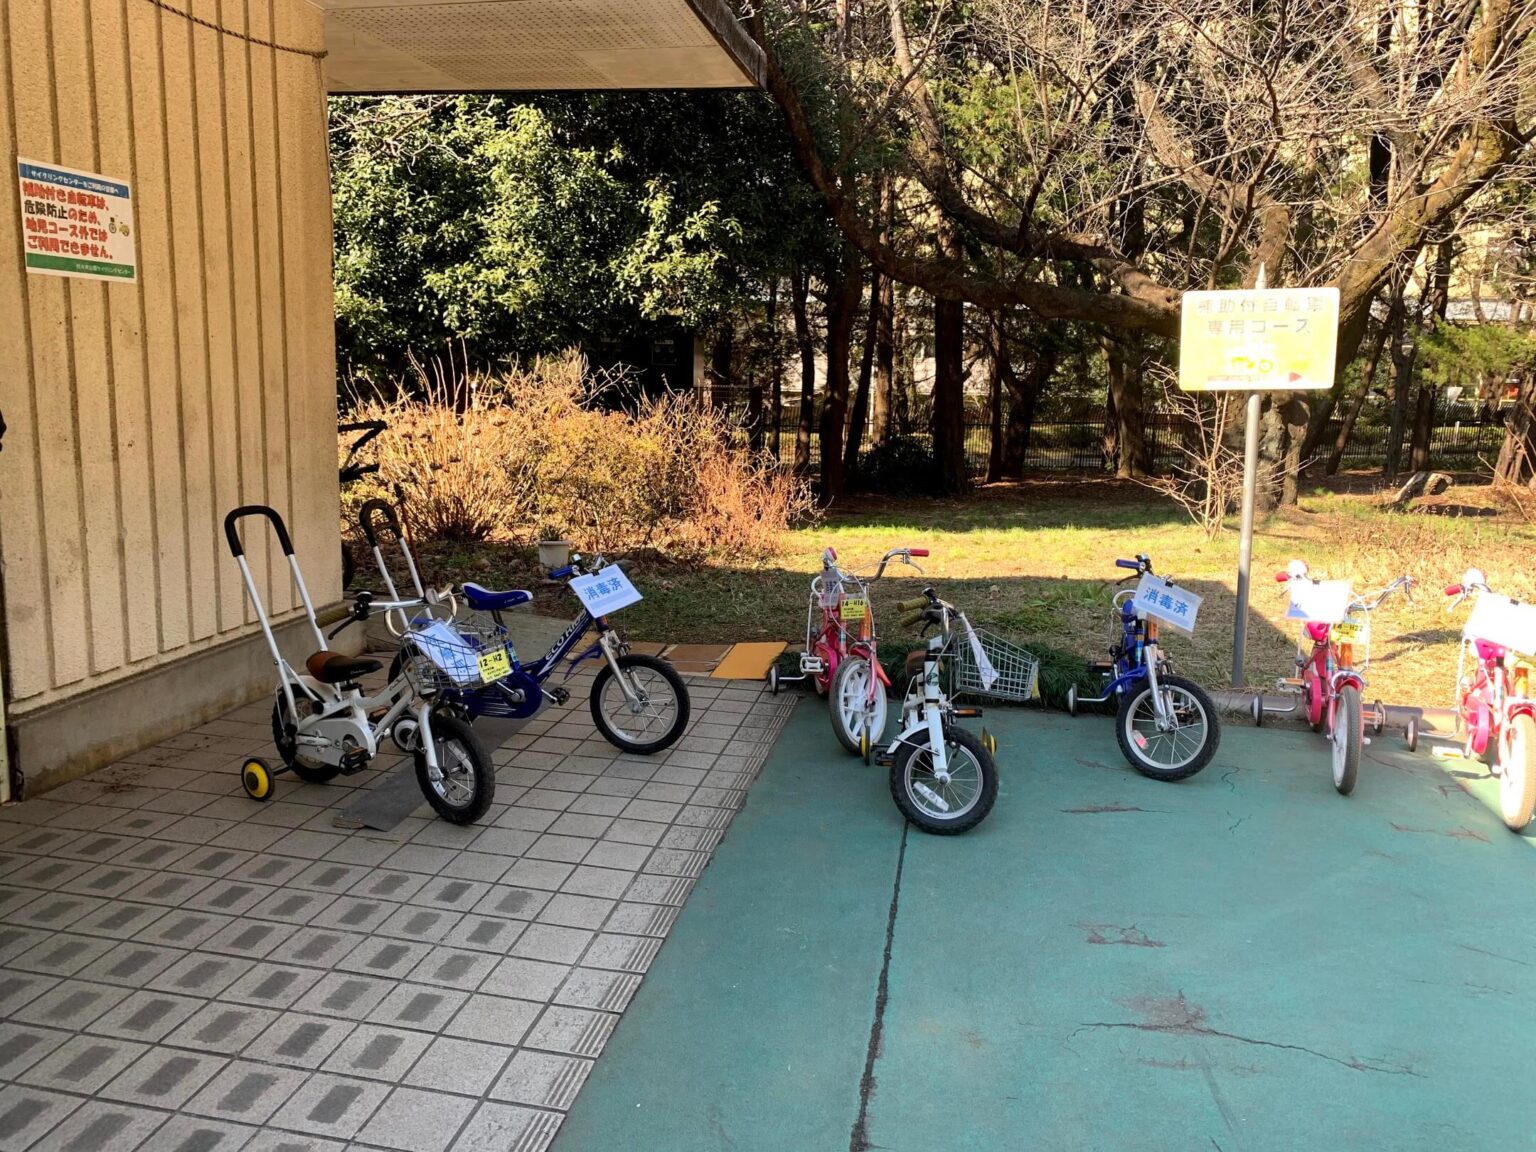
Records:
x=1494, y=686
x=840, y=655
x=1332, y=655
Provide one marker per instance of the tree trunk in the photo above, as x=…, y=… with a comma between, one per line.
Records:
x=1402, y=384
x=1367, y=382
x=1023, y=396
x=885, y=360
x=1131, y=456
x=800, y=286
x=720, y=367
x=776, y=366
x=859, y=417
x=1517, y=455
x=998, y=343
x=1423, y=427
x=842, y=310
x=949, y=394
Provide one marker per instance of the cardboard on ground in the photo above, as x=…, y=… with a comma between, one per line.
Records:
x=1276, y=339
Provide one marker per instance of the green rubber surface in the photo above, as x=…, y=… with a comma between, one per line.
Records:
x=1245, y=960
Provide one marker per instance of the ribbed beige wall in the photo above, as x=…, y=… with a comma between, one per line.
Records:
x=140, y=413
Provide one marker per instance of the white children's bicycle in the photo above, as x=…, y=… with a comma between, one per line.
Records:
x=325, y=726
x=943, y=778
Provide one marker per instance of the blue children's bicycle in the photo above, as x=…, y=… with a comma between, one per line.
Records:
x=1166, y=725
x=639, y=703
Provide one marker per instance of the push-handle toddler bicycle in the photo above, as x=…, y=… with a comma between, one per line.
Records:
x=325, y=726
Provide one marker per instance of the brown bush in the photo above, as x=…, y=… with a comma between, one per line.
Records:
x=526, y=455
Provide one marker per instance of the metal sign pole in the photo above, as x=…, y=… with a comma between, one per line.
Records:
x=1245, y=540
x=1245, y=545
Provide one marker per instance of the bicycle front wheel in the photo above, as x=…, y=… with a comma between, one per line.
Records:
x=858, y=708
x=647, y=711
x=1517, y=772
x=1346, y=736
x=950, y=806
x=464, y=782
x=1180, y=749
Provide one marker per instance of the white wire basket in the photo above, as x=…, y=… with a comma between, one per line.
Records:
x=1017, y=672
x=463, y=654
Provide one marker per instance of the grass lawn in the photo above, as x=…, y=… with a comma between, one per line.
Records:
x=1036, y=561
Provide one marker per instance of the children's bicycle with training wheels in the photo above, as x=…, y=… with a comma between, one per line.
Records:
x=1332, y=655
x=324, y=725
x=639, y=703
x=1165, y=724
x=841, y=656
x=1496, y=692
x=943, y=778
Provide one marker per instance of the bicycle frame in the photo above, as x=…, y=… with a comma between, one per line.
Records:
x=833, y=636
x=1137, y=657
x=1499, y=690
x=499, y=698
x=1329, y=659
x=923, y=715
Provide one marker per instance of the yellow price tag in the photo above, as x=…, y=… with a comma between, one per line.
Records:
x=1347, y=632
x=495, y=665
x=855, y=608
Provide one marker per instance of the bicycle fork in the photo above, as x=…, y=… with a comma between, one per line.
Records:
x=1149, y=656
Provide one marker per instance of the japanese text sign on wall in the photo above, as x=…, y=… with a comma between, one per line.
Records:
x=1160, y=600
x=1276, y=339
x=76, y=223
x=607, y=591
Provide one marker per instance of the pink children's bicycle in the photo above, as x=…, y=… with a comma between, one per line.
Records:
x=1331, y=658
x=840, y=656
x=1495, y=681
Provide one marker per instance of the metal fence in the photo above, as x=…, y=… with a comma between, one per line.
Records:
x=1463, y=438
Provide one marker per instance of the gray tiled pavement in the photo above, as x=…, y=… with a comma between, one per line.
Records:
x=184, y=969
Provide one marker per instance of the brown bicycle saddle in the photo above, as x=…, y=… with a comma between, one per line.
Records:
x=334, y=668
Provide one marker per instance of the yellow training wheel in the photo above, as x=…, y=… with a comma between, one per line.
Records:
x=256, y=778
x=864, y=745
x=989, y=742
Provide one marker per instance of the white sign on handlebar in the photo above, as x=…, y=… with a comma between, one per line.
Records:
x=1160, y=600
x=605, y=592
x=1502, y=621
x=1324, y=601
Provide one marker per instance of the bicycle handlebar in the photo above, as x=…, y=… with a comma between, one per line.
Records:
x=917, y=602
x=913, y=617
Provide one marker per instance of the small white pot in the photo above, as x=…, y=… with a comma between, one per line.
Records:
x=554, y=553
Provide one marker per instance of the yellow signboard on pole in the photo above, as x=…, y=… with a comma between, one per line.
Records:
x=1258, y=339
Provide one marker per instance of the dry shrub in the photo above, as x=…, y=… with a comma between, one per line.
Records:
x=529, y=454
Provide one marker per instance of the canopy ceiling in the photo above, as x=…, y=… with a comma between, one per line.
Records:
x=470, y=45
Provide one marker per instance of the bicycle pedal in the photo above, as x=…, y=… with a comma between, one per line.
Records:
x=884, y=760
x=558, y=695
x=353, y=761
